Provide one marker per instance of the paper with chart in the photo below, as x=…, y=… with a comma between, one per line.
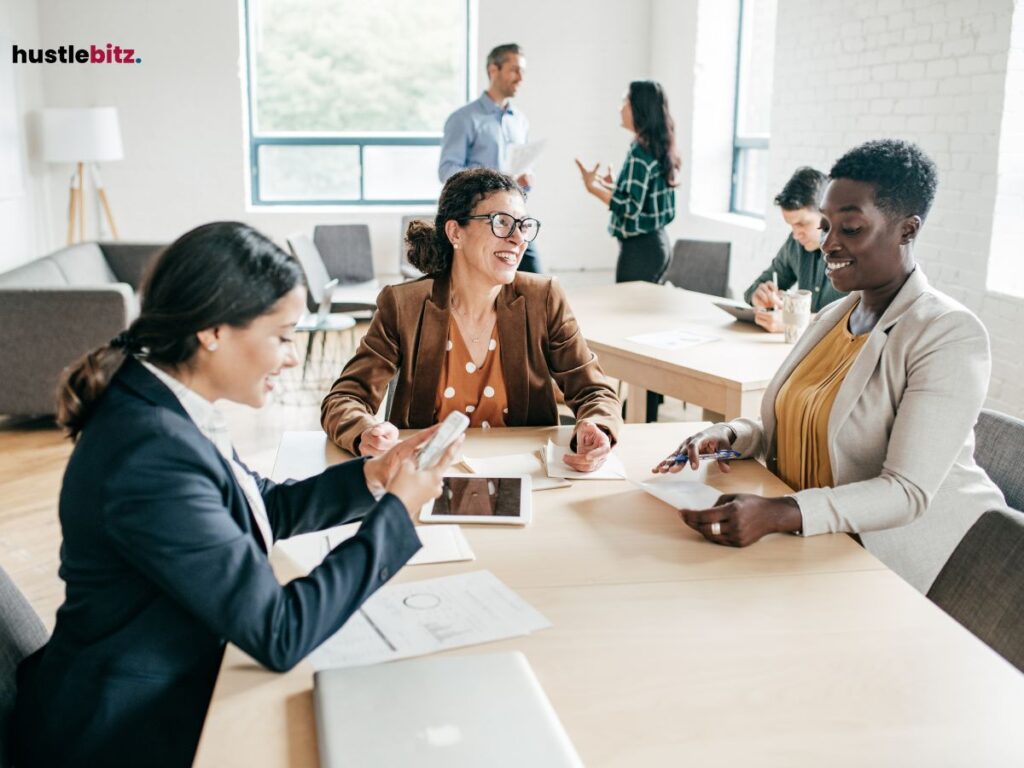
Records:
x=671, y=340
x=612, y=469
x=441, y=544
x=419, y=617
x=531, y=464
x=679, y=493
x=521, y=157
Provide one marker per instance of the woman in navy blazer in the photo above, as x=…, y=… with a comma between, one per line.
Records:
x=165, y=533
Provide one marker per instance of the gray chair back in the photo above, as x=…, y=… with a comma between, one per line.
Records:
x=346, y=252
x=21, y=634
x=999, y=450
x=982, y=584
x=700, y=265
x=317, y=278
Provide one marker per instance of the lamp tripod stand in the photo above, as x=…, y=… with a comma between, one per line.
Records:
x=76, y=204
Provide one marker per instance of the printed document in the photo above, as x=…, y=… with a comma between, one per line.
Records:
x=420, y=617
x=671, y=340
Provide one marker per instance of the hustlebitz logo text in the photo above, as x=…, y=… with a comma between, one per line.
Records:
x=76, y=54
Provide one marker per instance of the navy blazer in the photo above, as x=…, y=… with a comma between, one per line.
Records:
x=163, y=565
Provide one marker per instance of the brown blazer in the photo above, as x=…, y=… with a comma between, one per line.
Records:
x=539, y=341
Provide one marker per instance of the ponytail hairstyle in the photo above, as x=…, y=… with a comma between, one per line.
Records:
x=654, y=126
x=224, y=273
x=427, y=246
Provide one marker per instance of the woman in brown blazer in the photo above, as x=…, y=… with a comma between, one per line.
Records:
x=474, y=335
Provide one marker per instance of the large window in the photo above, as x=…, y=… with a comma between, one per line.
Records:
x=348, y=98
x=756, y=53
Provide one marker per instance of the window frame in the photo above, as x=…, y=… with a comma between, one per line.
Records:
x=741, y=143
x=333, y=139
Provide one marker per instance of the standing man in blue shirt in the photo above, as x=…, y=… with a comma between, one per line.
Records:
x=480, y=133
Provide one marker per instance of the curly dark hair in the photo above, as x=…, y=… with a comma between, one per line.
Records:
x=427, y=246
x=803, y=190
x=654, y=126
x=904, y=177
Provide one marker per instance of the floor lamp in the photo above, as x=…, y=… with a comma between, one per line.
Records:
x=83, y=137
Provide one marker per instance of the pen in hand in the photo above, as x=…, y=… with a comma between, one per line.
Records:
x=723, y=455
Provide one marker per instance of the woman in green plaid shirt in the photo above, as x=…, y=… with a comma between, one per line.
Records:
x=642, y=200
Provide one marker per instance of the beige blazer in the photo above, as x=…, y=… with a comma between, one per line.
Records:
x=541, y=346
x=901, y=432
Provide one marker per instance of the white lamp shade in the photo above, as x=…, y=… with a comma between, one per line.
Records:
x=81, y=135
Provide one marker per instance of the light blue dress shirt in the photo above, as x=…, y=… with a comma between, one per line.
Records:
x=478, y=135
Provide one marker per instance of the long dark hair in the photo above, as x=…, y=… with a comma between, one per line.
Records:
x=427, y=246
x=224, y=273
x=655, y=129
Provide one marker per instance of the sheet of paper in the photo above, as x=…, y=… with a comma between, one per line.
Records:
x=675, y=339
x=521, y=157
x=520, y=463
x=441, y=544
x=679, y=493
x=612, y=469
x=415, y=618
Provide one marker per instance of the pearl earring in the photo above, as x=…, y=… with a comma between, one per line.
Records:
x=455, y=246
x=212, y=346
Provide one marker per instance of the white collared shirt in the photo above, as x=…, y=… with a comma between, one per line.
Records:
x=212, y=424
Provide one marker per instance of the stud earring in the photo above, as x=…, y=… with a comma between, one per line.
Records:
x=212, y=346
x=455, y=246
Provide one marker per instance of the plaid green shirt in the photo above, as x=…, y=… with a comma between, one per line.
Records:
x=642, y=201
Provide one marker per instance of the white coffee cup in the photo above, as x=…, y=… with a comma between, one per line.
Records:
x=796, y=313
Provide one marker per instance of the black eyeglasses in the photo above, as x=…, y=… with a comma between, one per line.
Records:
x=504, y=224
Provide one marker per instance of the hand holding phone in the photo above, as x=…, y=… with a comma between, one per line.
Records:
x=453, y=426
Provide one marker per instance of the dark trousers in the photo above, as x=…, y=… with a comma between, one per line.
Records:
x=645, y=257
x=530, y=261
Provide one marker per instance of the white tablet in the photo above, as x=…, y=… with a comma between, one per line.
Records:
x=495, y=499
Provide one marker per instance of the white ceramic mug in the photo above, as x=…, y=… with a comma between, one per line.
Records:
x=796, y=313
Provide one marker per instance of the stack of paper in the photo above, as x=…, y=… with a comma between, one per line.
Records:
x=612, y=469
x=419, y=617
x=671, y=340
x=679, y=493
x=441, y=544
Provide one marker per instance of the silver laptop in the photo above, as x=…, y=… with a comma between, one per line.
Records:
x=444, y=711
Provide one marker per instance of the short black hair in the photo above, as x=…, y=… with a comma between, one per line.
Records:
x=499, y=53
x=904, y=177
x=803, y=190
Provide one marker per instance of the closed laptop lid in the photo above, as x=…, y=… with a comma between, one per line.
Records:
x=447, y=711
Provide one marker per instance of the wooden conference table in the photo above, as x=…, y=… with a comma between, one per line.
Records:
x=727, y=375
x=668, y=650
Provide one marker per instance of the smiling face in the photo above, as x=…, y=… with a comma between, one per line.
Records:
x=505, y=79
x=861, y=243
x=482, y=255
x=244, y=366
x=805, y=224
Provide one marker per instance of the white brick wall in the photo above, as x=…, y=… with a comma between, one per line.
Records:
x=934, y=73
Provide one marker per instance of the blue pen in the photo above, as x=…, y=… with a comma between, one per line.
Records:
x=723, y=455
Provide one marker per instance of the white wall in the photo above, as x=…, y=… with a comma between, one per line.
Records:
x=181, y=115
x=22, y=218
x=931, y=72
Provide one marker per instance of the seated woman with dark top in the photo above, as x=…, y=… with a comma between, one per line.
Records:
x=870, y=419
x=473, y=335
x=166, y=533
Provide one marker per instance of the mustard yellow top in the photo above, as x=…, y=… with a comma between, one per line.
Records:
x=479, y=392
x=804, y=404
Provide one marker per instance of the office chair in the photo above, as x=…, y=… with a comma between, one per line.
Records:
x=701, y=266
x=21, y=635
x=982, y=583
x=999, y=450
x=347, y=256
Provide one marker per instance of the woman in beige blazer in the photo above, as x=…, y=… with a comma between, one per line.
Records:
x=897, y=438
x=474, y=335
